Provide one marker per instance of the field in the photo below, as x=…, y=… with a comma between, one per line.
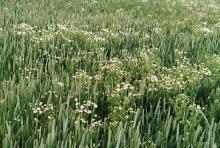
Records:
x=109, y=73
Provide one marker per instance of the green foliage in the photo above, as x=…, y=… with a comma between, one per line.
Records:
x=109, y=73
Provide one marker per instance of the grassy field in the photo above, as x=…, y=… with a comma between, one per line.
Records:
x=109, y=73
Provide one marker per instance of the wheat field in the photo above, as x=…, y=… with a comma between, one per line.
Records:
x=109, y=73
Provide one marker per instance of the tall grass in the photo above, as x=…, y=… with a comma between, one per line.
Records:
x=109, y=73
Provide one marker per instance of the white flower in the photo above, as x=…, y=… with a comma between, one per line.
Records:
x=125, y=86
x=62, y=27
x=95, y=105
x=83, y=120
x=206, y=30
x=157, y=30
x=82, y=107
x=49, y=117
x=35, y=111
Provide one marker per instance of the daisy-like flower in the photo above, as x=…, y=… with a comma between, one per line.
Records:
x=206, y=30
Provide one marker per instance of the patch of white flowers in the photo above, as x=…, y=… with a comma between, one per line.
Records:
x=40, y=109
x=206, y=30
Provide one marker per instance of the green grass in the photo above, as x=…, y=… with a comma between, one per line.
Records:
x=109, y=73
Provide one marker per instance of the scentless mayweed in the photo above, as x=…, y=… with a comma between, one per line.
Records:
x=125, y=74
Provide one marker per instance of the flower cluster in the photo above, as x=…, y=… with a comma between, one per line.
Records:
x=41, y=109
x=85, y=112
x=50, y=33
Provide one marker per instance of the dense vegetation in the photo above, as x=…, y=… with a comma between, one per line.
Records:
x=109, y=73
